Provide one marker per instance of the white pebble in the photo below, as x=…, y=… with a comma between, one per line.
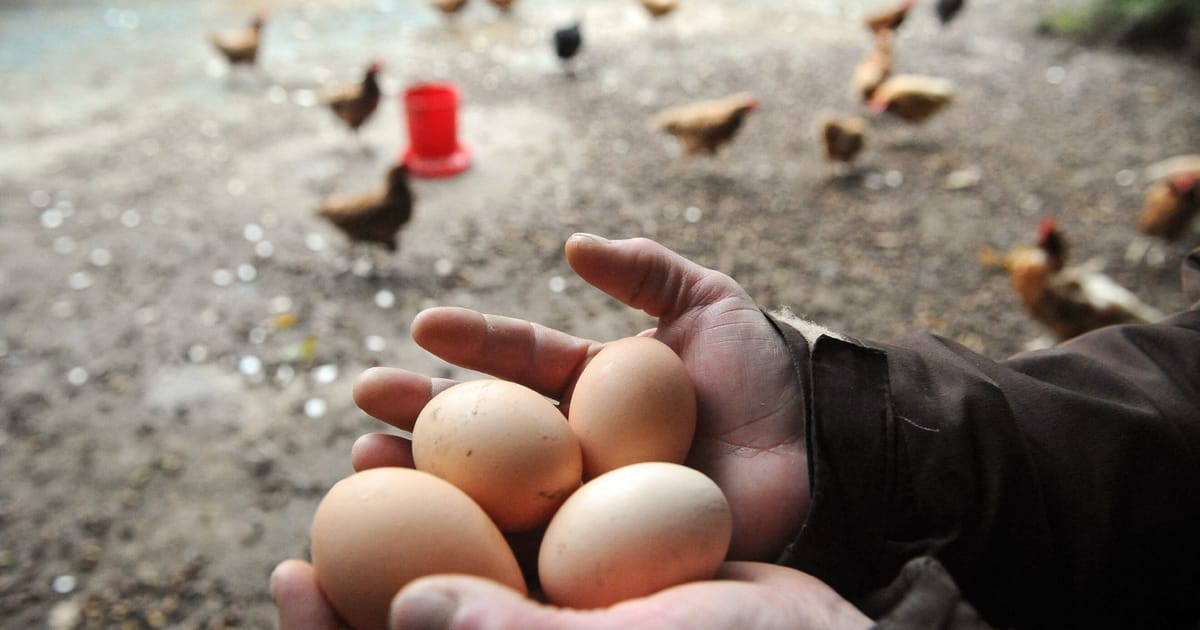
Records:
x=51, y=218
x=315, y=407
x=100, y=257
x=246, y=273
x=374, y=343
x=77, y=376
x=63, y=584
x=385, y=299
x=325, y=373
x=250, y=365
x=252, y=232
x=197, y=353
x=222, y=277
x=314, y=242
x=80, y=280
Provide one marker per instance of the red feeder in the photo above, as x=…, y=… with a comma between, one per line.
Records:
x=434, y=150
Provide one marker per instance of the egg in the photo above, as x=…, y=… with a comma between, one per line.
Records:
x=505, y=445
x=632, y=532
x=633, y=402
x=381, y=528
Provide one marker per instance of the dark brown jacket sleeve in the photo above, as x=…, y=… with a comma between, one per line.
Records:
x=1060, y=488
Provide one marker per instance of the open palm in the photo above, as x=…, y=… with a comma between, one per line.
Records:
x=750, y=431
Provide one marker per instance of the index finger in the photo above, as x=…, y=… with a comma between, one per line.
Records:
x=540, y=358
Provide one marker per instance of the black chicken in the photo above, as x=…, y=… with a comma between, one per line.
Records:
x=947, y=9
x=567, y=42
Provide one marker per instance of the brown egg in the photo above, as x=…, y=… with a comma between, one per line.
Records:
x=632, y=532
x=379, y=529
x=633, y=402
x=505, y=445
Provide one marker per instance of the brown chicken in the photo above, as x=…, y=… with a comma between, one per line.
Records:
x=889, y=19
x=912, y=97
x=376, y=216
x=1173, y=166
x=354, y=102
x=842, y=137
x=1069, y=300
x=659, y=8
x=1170, y=206
x=875, y=67
x=448, y=7
x=241, y=46
x=706, y=126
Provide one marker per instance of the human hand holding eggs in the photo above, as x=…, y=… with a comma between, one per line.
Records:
x=635, y=528
x=749, y=435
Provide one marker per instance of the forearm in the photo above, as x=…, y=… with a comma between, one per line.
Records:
x=925, y=448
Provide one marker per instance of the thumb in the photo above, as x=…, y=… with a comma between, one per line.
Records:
x=744, y=594
x=459, y=601
x=452, y=602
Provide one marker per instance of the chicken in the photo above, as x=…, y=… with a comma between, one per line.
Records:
x=875, y=67
x=503, y=5
x=241, y=46
x=1170, y=206
x=912, y=97
x=842, y=137
x=706, y=126
x=354, y=102
x=567, y=43
x=659, y=8
x=448, y=7
x=1069, y=300
x=890, y=19
x=376, y=216
x=947, y=9
x=1173, y=166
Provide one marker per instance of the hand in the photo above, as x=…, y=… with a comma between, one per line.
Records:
x=744, y=594
x=750, y=424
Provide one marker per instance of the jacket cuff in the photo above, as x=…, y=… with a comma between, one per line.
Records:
x=850, y=449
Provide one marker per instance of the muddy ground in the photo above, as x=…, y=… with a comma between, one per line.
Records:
x=180, y=332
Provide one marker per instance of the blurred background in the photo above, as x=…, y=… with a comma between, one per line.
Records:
x=182, y=323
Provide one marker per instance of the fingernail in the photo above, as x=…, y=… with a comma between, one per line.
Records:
x=425, y=609
x=600, y=240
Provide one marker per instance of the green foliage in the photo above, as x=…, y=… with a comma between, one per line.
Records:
x=1172, y=25
x=1143, y=9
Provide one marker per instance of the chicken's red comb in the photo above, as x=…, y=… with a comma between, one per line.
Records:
x=1045, y=227
x=376, y=65
x=1183, y=182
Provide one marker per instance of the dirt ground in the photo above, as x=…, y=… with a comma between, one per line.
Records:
x=180, y=333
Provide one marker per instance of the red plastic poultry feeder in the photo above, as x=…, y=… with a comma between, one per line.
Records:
x=434, y=149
